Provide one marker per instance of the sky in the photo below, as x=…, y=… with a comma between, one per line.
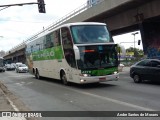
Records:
x=18, y=23
x=127, y=40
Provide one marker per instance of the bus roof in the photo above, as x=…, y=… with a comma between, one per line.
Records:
x=83, y=23
x=48, y=30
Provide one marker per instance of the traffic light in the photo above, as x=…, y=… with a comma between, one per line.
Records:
x=41, y=6
x=139, y=42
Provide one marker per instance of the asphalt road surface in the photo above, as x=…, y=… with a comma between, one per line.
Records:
x=51, y=95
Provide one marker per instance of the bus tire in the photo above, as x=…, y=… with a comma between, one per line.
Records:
x=37, y=75
x=64, y=78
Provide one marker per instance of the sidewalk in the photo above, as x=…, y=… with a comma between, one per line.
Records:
x=7, y=104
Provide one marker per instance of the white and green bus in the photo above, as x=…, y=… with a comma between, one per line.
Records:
x=82, y=52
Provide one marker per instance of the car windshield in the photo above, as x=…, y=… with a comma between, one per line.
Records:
x=22, y=65
x=90, y=34
x=8, y=65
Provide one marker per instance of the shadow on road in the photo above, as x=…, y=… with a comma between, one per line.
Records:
x=152, y=82
x=81, y=86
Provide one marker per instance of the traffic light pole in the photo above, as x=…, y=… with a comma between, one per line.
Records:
x=41, y=5
x=134, y=34
x=20, y=4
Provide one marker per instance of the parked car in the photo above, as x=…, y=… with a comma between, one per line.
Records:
x=2, y=69
x=21, y=68
x=147, y=69
x=16, y=65
x=9, y=67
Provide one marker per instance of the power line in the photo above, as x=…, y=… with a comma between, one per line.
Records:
x=4, y=8
x=24, y=21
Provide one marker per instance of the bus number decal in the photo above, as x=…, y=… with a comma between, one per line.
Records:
x=86, y=72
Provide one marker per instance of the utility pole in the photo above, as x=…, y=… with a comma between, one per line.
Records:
x=134, y=34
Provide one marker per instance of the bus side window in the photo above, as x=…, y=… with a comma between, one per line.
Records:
x=56, y=38
x=66, y=38
x=49, y=40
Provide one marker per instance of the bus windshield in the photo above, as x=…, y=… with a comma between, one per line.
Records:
x=97, y=56
x=90, y=34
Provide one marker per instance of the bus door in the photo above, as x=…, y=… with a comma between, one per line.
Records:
x=68, y=52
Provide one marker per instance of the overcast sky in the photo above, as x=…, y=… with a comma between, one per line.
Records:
x=18, y=23
x=127, y=40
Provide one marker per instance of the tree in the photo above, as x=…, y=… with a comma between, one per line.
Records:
x=138, y=52
x=2, y=53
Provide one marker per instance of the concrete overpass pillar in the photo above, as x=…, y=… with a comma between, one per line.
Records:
x=150, y=32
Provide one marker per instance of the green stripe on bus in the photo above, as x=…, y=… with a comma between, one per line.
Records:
x=100, y=72
x=48, y=54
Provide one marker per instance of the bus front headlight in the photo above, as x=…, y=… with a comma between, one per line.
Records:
x=85, y=75
x=115, y=72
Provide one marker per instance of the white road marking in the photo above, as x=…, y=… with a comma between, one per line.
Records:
x=20, y=76
x=23, y=83
x=14, y=107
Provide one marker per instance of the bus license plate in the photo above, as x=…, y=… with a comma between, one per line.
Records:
x=102, y=79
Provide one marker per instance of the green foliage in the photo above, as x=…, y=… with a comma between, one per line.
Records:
x=138, y=52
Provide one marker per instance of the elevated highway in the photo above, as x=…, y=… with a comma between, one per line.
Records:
x=121, y=16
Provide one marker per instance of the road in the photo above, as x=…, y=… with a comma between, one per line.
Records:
x=51, y=95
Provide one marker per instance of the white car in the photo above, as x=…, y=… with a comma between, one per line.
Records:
x=21, y=68
x=9, y=67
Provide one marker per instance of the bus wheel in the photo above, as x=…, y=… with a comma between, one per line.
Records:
x=37, y=75
x=64, y=78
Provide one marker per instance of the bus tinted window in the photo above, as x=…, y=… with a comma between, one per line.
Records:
x=90, y=34
x=49, y=41
x=56, y=38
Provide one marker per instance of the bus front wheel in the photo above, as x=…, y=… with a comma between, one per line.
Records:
x=64, y=78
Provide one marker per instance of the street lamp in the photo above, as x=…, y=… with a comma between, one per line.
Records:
x=134, y=34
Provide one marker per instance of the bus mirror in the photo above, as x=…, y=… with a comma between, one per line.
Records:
x=76, y=51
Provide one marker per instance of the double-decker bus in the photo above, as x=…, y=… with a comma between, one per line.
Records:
x=82, y=52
